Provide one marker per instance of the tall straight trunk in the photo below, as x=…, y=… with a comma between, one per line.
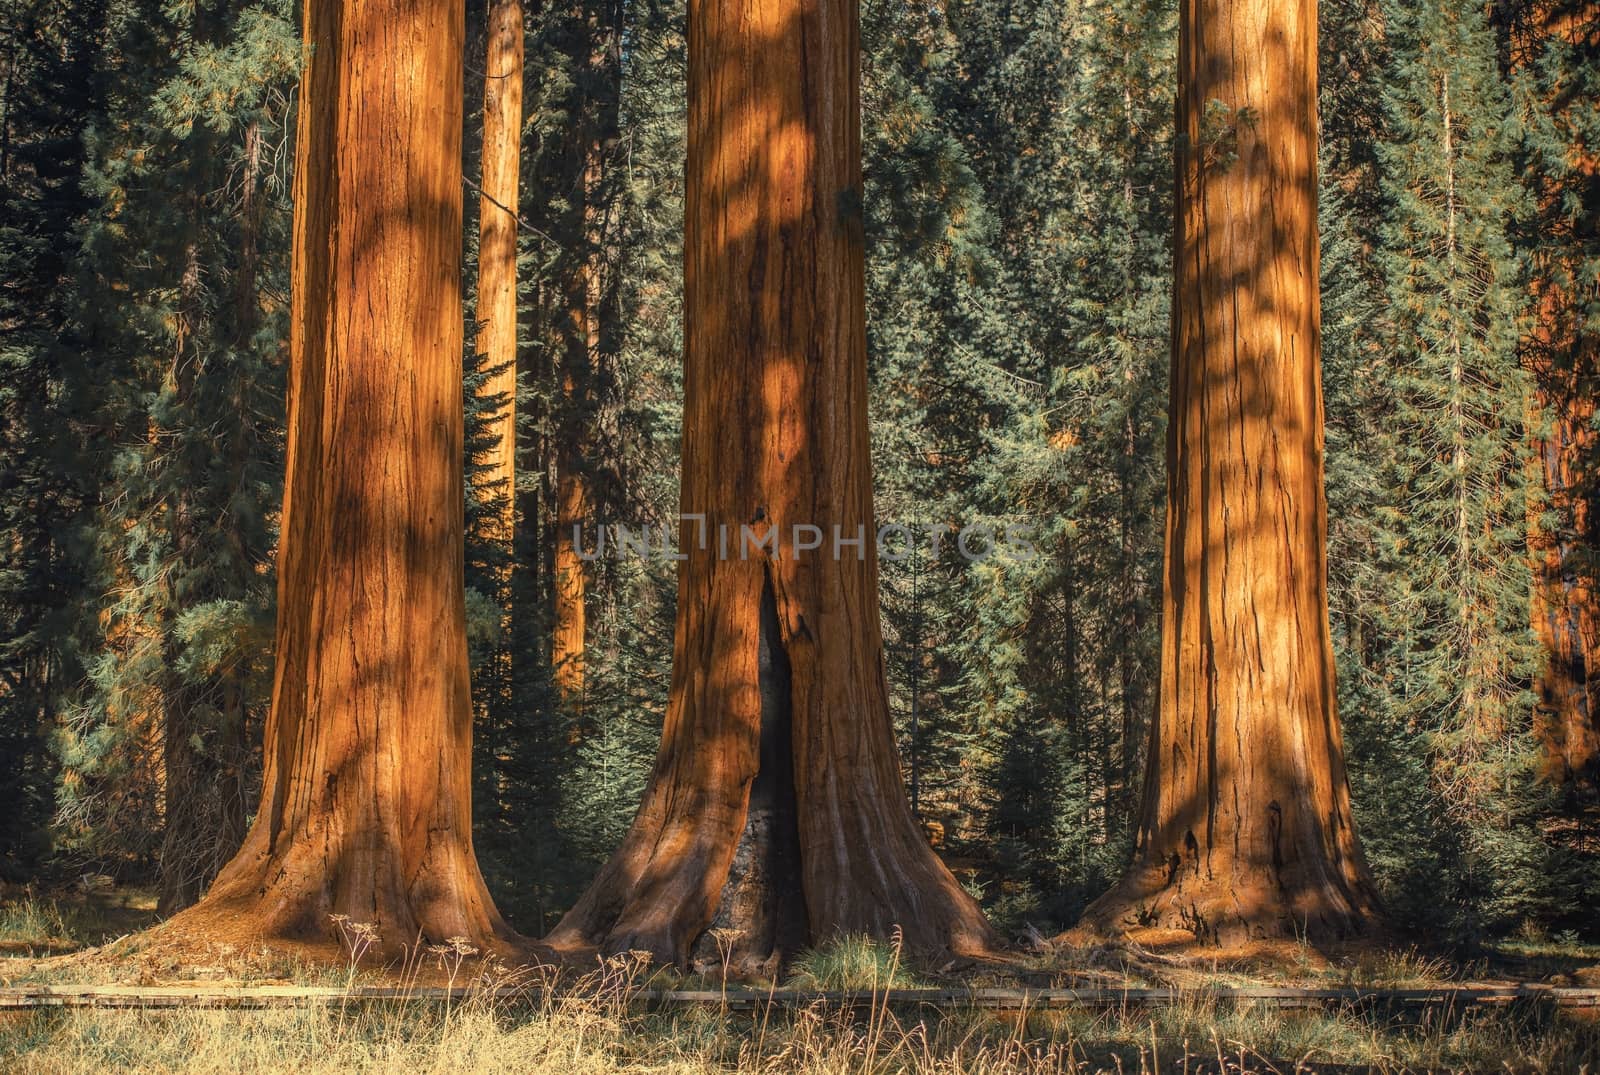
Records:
x=586, y=291
x=1565, y=600
x=497, y=254
x=570, y=579
x=183, y=871
x=775, y=808
x=1563, y=356
x=570, y=631
x=366, y=803
x=1245, y=829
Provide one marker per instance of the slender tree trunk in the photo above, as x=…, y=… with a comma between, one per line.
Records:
x=1245, y=829
x=181, y=875
x=366, y=806
x=775, y=808
x=498, y=206
x=497, y=254
x=203, y=760
x=570, y=579
x=571, y=582
x=587, y=291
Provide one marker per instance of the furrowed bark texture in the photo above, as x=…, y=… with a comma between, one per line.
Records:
x=366, y=805
x=777, y=757
x=1565, y=603
x=1245, y=828
x=1564, y=358
x=497, y=252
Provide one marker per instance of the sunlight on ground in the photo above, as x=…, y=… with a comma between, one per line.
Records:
x=594, y=1027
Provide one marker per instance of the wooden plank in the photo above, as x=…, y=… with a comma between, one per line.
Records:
x=221, y=996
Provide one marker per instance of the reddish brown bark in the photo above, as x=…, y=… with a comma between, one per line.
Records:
x=1564, y=358
x=1565, y=601
x=570, y=631
x=570, y=582
x=586, y=295
x=775, y=807
x=366, y=804
x=1245, y=829
x=497, y=254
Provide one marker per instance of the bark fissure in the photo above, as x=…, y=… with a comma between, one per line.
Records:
x=761, y=913
x=366, y=784
x=1246, y=777
x=775, y=419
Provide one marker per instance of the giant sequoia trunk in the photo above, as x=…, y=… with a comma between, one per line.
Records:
x=1565, y=605
x=775, y=809
x=1563, y=354
x=1245, y=829
x=497, y=253
x=365, y=807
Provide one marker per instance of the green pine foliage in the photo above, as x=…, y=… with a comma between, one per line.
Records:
x=1554, y=83
x=1428, y=481
x=1018, y=220
x=933, y=306
x=558, y=783
x=187, y=172
x=638, y=394
x=52, y=91
x=1019, y=178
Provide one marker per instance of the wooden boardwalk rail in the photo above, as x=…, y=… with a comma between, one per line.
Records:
x=220, y=996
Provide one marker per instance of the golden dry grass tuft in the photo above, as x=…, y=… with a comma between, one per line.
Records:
x=544, y=1021
x=592, y=1028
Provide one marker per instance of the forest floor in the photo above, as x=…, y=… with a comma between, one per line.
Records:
x=591, y=1023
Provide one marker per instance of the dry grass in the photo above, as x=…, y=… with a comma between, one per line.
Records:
x=593, y=1035
x=565, y=1025
x=591, y=1027
x=853, y=963
x=38, y=924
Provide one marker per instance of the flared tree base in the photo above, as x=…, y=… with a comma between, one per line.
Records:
x=1228, y=911
x=301, y=899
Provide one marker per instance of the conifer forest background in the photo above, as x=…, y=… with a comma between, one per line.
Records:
x=1019, y=215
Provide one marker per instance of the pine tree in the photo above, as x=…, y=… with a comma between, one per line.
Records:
x=934, y=298
x=184, y=233
x=576, y=166
x=556, y=786
x=1554, y=54
x=1018, y=196
x=1081, y=452
x=52, y=91
x=1451, y=642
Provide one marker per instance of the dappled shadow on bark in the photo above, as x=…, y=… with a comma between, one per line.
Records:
x=775, y=436
x=366, y=805
x=1246, y=829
